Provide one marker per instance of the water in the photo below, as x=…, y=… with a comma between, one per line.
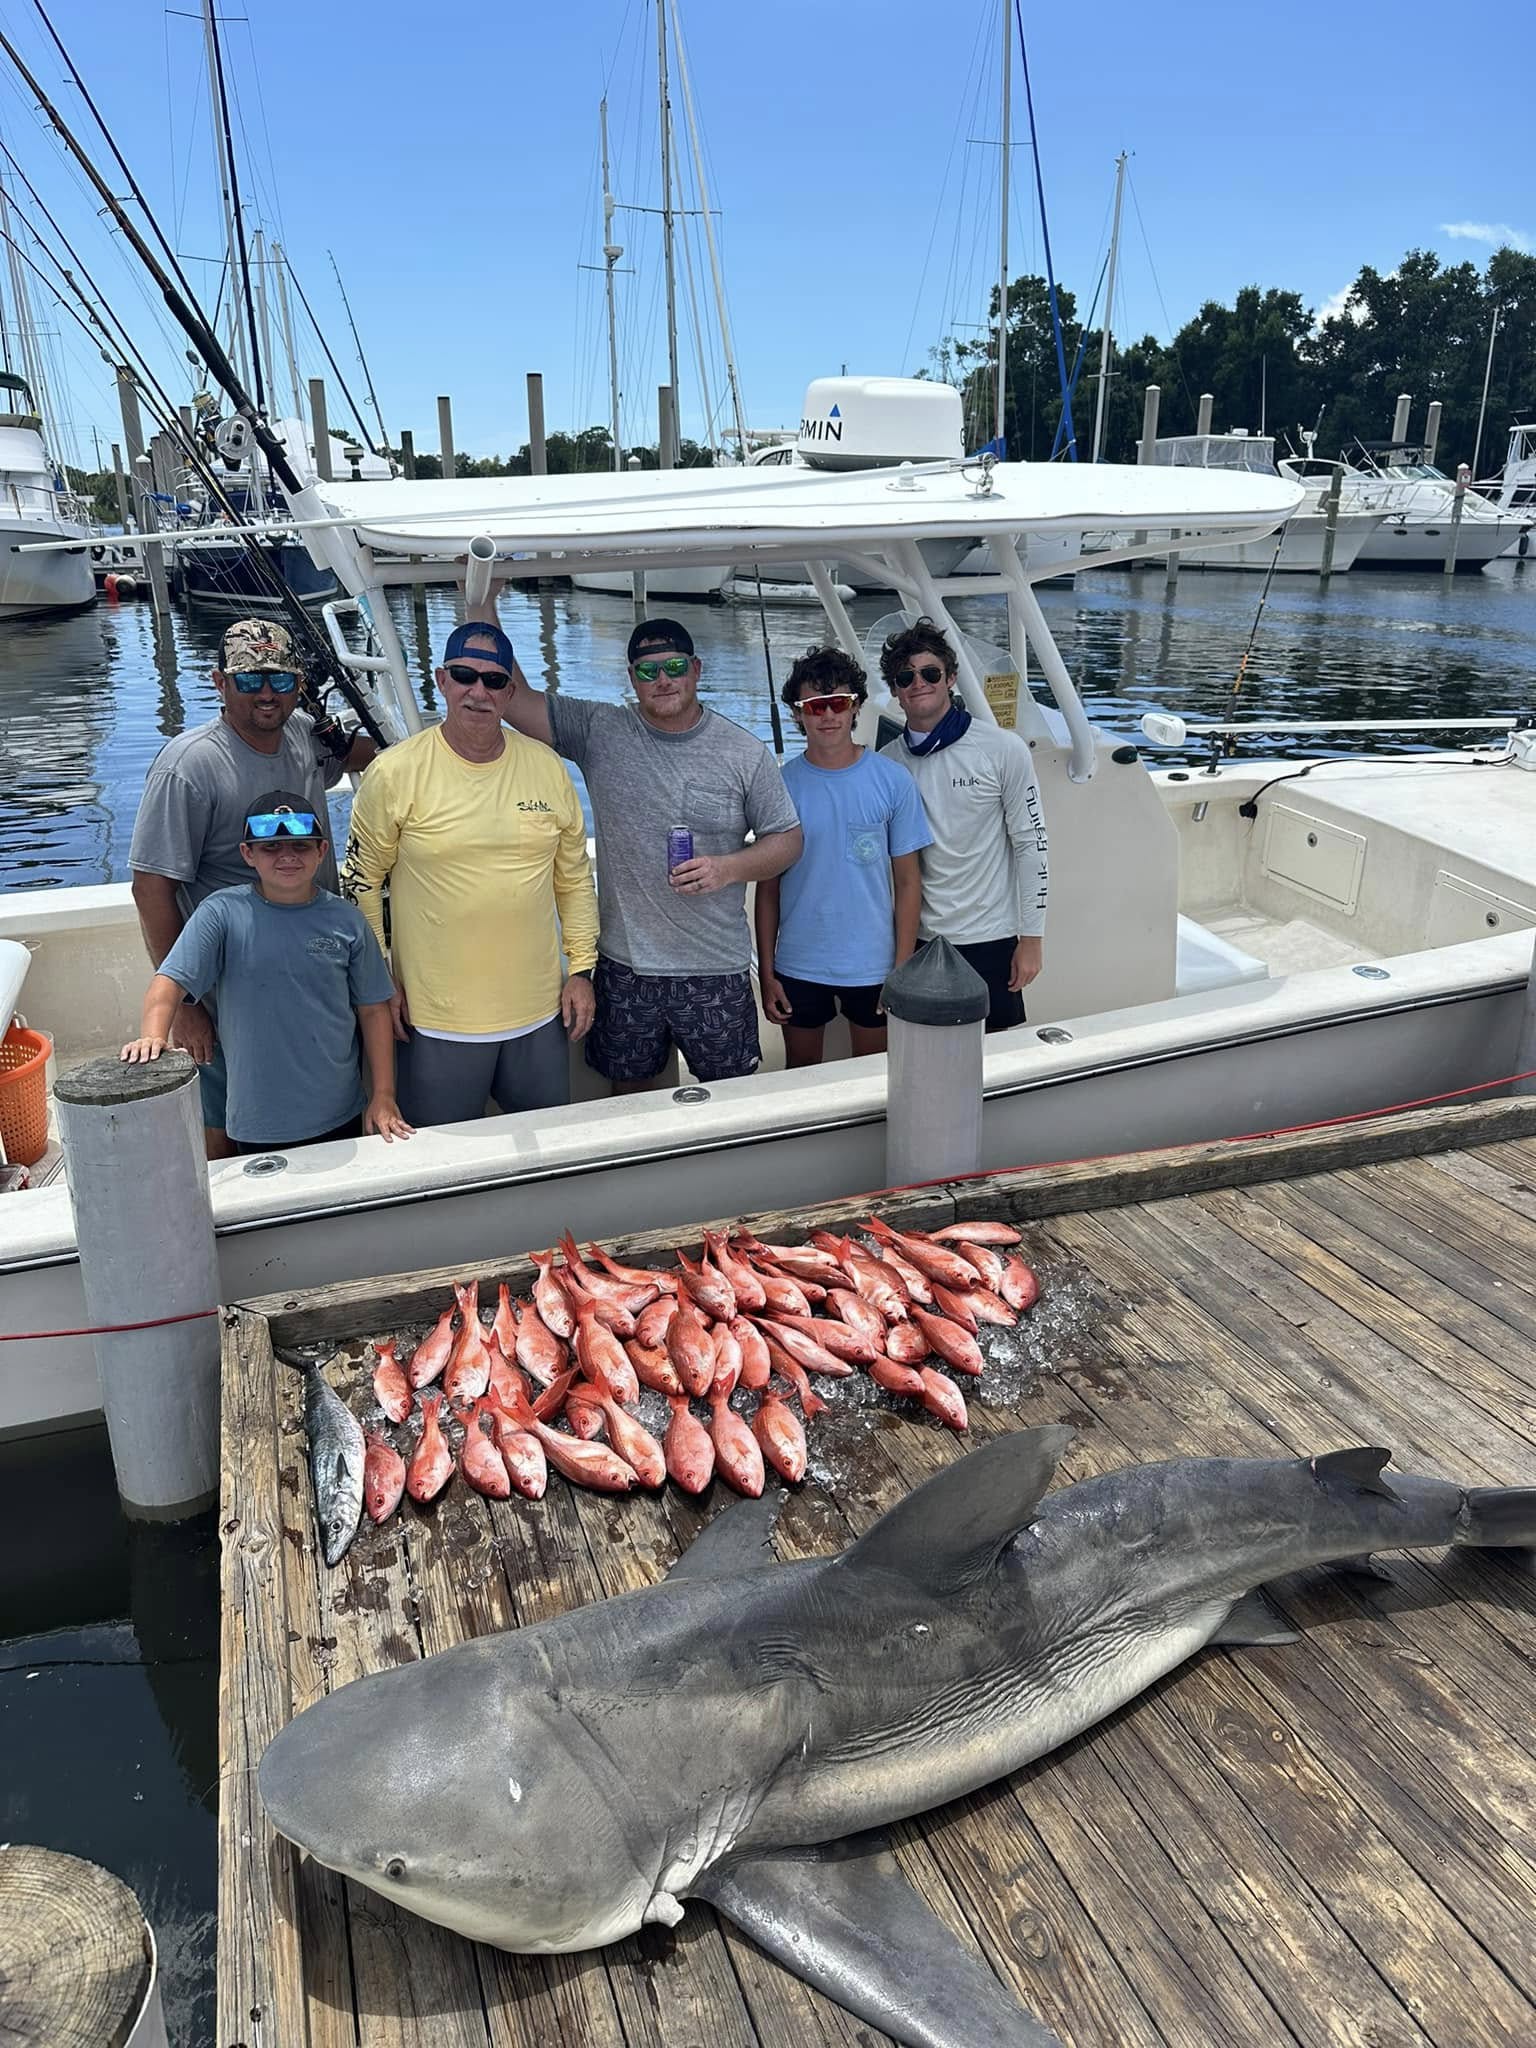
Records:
x=86, y=702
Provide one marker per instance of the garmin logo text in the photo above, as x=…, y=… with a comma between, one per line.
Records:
x=821, y=430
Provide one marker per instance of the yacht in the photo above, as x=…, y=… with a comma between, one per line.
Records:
x=1514, y=493
x=1417, y=504
x=35, y=509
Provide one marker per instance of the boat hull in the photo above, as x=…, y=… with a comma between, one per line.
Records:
x=1421, y=544
x=31, y=585
x=222, y=577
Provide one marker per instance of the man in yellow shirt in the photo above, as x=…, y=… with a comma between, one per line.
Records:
x=480, y=836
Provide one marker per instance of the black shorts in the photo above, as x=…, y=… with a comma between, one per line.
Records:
x=816, y=1003
x=993, y=961
x=710, y=1018
x=351, y=1129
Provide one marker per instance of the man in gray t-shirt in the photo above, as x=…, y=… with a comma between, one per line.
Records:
x=186, y=837
x=674, y=949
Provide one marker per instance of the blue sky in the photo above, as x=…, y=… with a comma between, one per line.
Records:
x=448, y=156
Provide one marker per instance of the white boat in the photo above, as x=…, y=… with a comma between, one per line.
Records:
x=1230, y=950
x=1418, y=507
x=34, y=510
x=1303, y=541
x=1514, y=493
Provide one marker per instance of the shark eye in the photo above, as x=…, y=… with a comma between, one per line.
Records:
x=395, y=1867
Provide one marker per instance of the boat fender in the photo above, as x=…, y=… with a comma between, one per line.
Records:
x=109, y=590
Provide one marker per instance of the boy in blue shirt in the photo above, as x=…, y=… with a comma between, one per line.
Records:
x=299, y=978
x=831, y=928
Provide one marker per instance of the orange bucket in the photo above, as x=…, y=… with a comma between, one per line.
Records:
x=24, y=1094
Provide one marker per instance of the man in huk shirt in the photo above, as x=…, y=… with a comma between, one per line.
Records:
x=985, y=875
x=674, y=949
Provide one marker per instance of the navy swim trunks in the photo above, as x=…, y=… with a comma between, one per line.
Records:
x=710, y=1018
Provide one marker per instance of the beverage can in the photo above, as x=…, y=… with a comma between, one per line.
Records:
x=679, y=847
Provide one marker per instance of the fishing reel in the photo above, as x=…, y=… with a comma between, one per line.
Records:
x=234, y=439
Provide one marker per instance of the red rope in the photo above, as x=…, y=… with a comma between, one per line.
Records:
x=1323, y=1123
x=191, y=1315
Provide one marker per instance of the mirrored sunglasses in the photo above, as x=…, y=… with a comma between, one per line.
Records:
x=673, y=665
x=292, y=824
x=823, y=707
x=930, y=672
x=249, y=680
x=466, y=677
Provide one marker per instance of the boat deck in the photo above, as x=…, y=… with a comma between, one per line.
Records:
x=1333, y=1841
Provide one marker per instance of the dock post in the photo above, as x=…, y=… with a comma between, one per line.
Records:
x=1171, y=573
x=127, y=1130
x=1331, y=515
x=148, y=516
x=80, y=1962
x=407, y=452
x=445, y=436
x=536, y=461
x=1146, y=447
x=124, y=502
x=937, y=1006
x=1401, y=415
x=1207, y=407
x=321, y=426
x=666, y=420
x=1432, y=430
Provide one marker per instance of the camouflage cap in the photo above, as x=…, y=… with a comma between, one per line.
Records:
x=255, y=644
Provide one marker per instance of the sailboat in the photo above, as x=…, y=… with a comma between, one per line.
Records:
x=34, y=503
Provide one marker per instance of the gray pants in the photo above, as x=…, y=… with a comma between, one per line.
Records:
x=442, y=1081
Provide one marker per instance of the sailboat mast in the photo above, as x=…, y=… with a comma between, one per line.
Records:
x=1001, y=428
x=221, y=171
x=612, y=251
x=709, y=236
x=285, y=318
x=26, y=334
x=1107, y=345
x=667, y=224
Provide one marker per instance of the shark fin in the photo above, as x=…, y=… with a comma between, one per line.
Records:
x=951, y=1531
x=1362, y=1468
x=1363, y=1566
x=738, y=1539
x=845, y=1919
x=1253, y=1620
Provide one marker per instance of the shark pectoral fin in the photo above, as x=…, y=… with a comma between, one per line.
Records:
x=845, y=1919
x=1253, y=1620
x=738, y=1539
x=950, y=1533
x=1362, y=1567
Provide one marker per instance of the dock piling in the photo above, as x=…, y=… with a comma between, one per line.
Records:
x=1432, y=430
x=1207, y=407
x=321, y=424
x=146, y=1261
x=1400, y=416
x=124, y=502
x=144, y=504
x=445, y=436
x=536, y=454
x=1331, y=515
x=666, y=420
x=937, y=1006
x=1458, y=501
x=80, y=1964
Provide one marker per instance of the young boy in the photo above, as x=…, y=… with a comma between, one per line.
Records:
x=298, y=976
x=831, y=928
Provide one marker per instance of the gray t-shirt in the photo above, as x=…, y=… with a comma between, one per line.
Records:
x=196, y=796
x=718, y=781
x=289, y=977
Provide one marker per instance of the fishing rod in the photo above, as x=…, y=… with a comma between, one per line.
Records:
x=1229, y=745
x=357, y=411
x=358, y=344
x=183, y=308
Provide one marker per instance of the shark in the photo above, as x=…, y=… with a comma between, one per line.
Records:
x=744, y=1731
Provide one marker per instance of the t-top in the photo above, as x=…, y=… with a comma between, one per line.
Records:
x=836, y=904
x=984, y=876
x=479, y=856
x=197, y=796
x=289, y=978
x=715, y=779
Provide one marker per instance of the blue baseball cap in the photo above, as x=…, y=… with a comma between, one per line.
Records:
x=480, y=642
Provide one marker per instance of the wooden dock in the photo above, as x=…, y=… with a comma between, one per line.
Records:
x=1330, y=1842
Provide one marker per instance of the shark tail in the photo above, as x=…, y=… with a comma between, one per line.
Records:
x=1498, y=1517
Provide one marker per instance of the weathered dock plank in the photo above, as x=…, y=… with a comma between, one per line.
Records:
x=1327, y=1842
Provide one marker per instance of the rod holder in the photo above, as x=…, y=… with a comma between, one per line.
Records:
x=478, y=574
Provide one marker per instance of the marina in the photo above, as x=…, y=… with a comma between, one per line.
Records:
x=1114, y=1693
x=1277, y=1844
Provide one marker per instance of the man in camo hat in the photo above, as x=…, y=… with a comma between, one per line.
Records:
x=186, y=838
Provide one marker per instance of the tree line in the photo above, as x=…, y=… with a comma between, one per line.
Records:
x=1271, y=363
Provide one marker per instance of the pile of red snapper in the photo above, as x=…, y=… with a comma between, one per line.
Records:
x=593, y=1332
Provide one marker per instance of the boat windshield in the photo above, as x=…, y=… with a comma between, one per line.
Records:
x=9, y=383
x=1254, y=453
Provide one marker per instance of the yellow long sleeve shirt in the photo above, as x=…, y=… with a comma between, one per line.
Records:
x=481, y=858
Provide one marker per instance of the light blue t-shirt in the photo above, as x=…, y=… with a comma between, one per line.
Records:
x=289, y=977
x=836, y=906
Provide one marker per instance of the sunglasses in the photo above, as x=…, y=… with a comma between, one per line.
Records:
x=905, y=677
x=674, y=665
x=466, y=677
x=823, y=707
x=293, y=824
x=248, y=681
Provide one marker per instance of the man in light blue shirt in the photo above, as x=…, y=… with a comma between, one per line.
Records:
x=831, y=928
